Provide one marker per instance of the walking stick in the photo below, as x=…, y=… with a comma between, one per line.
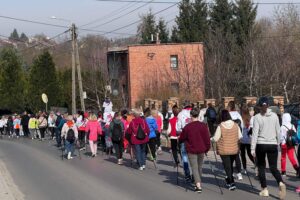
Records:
x=151, y=156
x=214, y=174
x=78, y=148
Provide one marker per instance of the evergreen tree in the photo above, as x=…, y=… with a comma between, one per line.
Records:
x=163, y=31
x=185, y=22
x=244, y=21
x=221, y=17
x=146, y=28
x=24, y=37
x=11, y=81
x=200, y=20
x=14, y=35
x=174, y=35
x=43, y=79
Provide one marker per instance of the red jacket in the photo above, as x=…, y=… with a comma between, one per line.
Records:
x=133, y=128
x=195, y=135
x=172, y=122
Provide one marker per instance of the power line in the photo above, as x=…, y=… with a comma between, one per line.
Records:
x=34, y=22
x=171, y=2
x=118, y=17
x=135, y=22
x=122, y=9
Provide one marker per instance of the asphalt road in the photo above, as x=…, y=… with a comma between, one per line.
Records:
x=40, y=174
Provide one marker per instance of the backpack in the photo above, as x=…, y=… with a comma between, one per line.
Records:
x=141, y=135
x=291, y=137
x=70, y=135
x=117, y=133
x=212, y=114
x=239, y=123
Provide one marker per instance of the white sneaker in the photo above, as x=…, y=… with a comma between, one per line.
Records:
x=239, y=176
x=245, y=171
x=264, y=193
x=69, y=156
x=282, y=191
x=143, y=166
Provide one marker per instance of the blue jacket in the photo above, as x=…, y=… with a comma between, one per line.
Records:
x=152, y=126
x=298, y=131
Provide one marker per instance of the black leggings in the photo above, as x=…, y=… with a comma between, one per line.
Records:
x=81, y=138
x=228, y=167
x=174, y=147
x=42, y=131
x=271, y=151
x=244, y=148
x=118, y=146
x=152, y=146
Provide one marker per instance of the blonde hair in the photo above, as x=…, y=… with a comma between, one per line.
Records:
x=70, y=118
x=92, y=117
x=137, y=112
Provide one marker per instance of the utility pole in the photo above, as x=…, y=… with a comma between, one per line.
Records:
x=73, y=35
x=76, y=64
x=79, y=77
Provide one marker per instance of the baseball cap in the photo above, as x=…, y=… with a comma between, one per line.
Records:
x=263, y=101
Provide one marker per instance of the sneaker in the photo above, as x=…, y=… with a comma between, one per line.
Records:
x=283, y=174
x=188, y=178
x=239, y=176
x=144, y=166
x=264, y=193
x=141, y=168
x=298, y=190
x=120, y=162
x=282, y=190
x=198, y=190
x=69, y=156
x=82, y=148
x=93, y=155
x=232, y=187
x=245, y=171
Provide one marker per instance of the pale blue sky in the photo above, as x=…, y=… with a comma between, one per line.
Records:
x=85, y=11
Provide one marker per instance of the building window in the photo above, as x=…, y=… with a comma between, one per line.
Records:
x=175, y=87
x=174, y=61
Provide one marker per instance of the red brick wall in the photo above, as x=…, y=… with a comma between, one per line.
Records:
x=144, y=68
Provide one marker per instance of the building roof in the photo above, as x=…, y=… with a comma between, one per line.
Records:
x=117, y=49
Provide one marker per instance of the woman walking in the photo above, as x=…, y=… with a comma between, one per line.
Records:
x=117, y=135
x=152, y=124
x=94, y=129
x=227, y=137
x=42, y=123
x=172, y=133
x=195, y=135
x=139, y=135
x=286, y=149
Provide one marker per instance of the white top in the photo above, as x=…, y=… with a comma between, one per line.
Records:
x=2, y=123
x=107, y=107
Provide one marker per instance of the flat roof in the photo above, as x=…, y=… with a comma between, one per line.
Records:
x=125, y=49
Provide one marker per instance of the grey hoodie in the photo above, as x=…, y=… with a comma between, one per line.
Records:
x=266, y=129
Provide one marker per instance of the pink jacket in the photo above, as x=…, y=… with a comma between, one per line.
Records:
x=159, y=122
x=94, y=129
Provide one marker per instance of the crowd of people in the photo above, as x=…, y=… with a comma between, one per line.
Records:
x=233, y=133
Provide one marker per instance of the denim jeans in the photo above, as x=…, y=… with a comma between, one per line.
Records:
x=69, y=147
x=140, y=150
x=185, y=160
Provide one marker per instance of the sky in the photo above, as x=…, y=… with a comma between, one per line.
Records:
x=83, y=12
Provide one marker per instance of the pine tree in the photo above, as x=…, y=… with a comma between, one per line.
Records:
x=221, y=16
x=14, y=35
x=185, y=22
x=174, y=35
x=43, y=79
x=11, y=81
x=244, y=21
x=163, y=31
x=147, y=28
x=24, y=37
x=200, y=20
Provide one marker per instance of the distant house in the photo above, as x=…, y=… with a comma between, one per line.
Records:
x=140, y=71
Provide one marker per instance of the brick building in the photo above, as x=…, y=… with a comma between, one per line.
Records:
x=154, y=70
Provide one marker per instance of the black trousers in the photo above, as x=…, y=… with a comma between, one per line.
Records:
x=158, y=139
x=211, y=127
x=238, y=164
x=271, y=151
x=26, y=131
x=118, y=146
x=81, y=138
x=152, y=145
x=42, y=131
x=228, y=166
x=246, y=148
x=51, y=129
x=174, y=147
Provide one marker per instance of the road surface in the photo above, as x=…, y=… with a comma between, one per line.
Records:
x=40, y=174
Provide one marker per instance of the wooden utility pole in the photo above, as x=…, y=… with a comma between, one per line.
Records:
x=73, y=35
x=76, y=64
x=79, y=78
